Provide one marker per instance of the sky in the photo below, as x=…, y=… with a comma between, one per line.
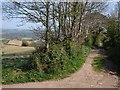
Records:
x=15, y=23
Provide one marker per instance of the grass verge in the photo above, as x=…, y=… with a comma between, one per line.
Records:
x=98, y=63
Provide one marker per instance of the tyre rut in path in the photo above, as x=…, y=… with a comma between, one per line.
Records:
x=86, y=77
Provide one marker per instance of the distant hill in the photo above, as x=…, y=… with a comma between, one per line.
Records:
x=15, y=33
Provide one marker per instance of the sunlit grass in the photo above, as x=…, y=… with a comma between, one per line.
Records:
x=9, y=49
x=98, y=63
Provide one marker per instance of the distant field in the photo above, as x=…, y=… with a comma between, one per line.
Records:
x=9, y=49
x=30, y=39
x=16, y=33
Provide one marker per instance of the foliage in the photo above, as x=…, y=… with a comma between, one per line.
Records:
x=89, y=40
x=95, y=39
x=98, y=63
x=112, y=43
x=4, y=41
x=99, y=39
x=18, y=70
x=25, y=43
x=44, y=66
x=60, y=57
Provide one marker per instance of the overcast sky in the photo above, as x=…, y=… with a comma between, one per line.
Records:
x=16, y=24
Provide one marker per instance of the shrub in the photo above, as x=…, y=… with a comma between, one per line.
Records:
x=61, y=58
x=112, y=43
x=49, y=62
x=99, y=40
x=25, y=43
x=89, y=40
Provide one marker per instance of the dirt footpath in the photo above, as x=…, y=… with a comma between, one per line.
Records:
x=86, y=77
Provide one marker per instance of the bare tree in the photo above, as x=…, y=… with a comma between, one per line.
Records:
x=68, y=16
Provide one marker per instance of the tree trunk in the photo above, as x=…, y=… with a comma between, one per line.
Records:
x=54, y=22
x=47, y=44
x=59, y=20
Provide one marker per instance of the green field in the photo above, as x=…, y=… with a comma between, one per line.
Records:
x=10, y=49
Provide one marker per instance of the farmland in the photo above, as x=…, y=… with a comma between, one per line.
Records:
x=14, y=33
x=13, y=49
x=10, y=49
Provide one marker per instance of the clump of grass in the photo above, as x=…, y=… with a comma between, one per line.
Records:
x=98, y=64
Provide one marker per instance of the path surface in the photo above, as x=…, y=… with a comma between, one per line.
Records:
x=86, y=77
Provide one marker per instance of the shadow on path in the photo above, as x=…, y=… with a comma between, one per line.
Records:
x=109, y=66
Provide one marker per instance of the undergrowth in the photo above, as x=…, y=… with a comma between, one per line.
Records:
x=57, y=64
